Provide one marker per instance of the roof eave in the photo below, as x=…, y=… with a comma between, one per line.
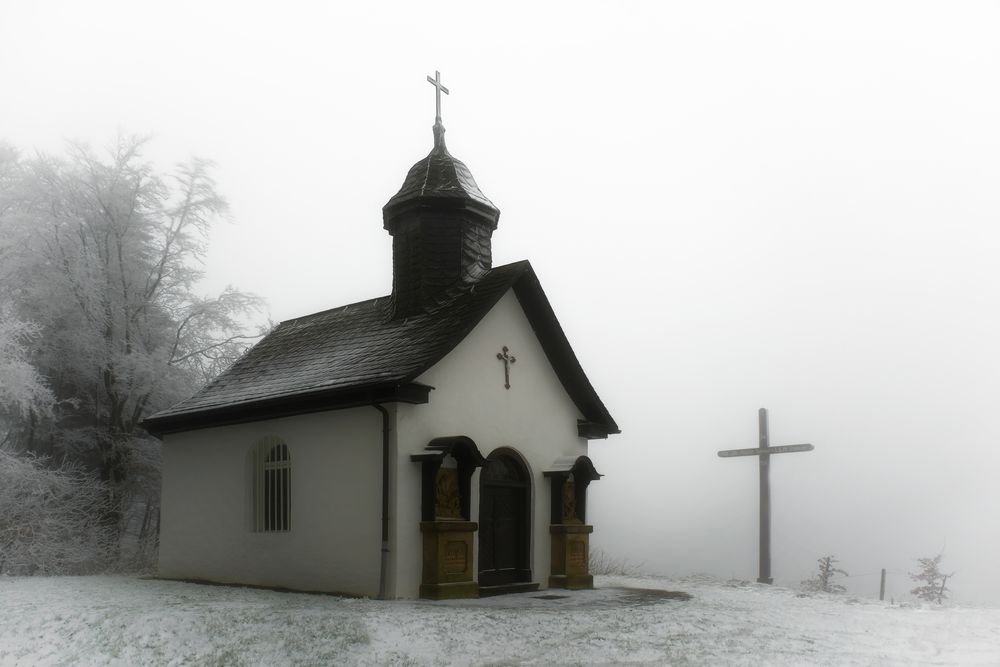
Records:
x=594, y=430
x=396, y=209
x=288, y=406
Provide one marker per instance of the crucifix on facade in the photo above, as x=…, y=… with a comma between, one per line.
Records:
x=763, y=452
x=507, y=360
x=436, y=82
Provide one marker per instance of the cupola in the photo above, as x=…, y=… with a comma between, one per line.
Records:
x=441, y=226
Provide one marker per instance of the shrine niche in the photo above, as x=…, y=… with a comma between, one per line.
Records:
x=447, y=497
x=569, y=478
x=447, y=465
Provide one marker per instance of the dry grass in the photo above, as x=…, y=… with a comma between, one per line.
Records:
x=601, y=562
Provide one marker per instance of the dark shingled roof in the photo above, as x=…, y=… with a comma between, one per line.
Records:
x=357, y=355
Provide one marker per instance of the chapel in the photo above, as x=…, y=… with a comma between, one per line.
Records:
x=427, y=443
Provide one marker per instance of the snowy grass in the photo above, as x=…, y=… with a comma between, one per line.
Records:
x=129, y=621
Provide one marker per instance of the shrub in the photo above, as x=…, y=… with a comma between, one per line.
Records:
x=50, y=518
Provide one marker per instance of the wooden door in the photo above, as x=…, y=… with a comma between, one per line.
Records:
x=504, y=521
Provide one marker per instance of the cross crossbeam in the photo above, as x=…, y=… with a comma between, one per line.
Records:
x=763, y=452
x=757, y=451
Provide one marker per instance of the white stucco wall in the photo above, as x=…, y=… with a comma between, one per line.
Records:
x=535, y=417
x=334, y=541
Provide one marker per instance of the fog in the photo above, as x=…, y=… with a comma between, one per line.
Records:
x=729, y=205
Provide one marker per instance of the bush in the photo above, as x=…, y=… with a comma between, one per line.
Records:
x=933, y=580
x=823, y=581
x=50, y=518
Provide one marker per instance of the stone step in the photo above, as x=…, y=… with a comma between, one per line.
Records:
x=506, y=589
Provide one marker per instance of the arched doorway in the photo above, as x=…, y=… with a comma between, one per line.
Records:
x=504, y=520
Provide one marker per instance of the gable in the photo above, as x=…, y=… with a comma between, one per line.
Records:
x=498, y=385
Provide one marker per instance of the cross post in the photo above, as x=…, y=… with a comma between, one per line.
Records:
x=436, y=82
x=764, y=452
x=764, y=555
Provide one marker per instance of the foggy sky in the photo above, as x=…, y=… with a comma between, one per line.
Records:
x=729, y=205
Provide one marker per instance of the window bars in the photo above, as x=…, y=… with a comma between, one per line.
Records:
x=272, y=486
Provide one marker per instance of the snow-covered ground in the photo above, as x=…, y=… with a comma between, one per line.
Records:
x=129, y=621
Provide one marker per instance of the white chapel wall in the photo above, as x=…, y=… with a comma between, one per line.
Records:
x=335, y=539
x=535, y=417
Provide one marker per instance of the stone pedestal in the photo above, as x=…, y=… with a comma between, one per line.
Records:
x=447, y=570
x=571, y=556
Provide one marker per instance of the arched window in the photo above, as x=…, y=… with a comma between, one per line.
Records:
x=272, y=486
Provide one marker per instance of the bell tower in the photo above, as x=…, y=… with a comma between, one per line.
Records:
x=441, y=226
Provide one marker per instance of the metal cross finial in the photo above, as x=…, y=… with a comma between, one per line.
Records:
x=436, y=82
x=507, y=360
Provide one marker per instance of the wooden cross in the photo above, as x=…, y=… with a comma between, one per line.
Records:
x=764, y=451
x=507, y=360
x=436, y=82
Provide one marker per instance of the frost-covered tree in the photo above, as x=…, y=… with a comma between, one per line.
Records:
x=102, y=253
x=823, y=581
x=932, y=581
x=24, y=395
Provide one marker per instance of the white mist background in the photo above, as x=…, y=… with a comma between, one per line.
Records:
x=730, y=206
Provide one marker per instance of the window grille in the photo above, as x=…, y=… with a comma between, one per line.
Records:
x=272, y=486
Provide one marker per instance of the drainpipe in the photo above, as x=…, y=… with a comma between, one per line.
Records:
x=383, y=572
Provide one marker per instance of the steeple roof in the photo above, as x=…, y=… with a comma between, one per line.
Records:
x=442, y=180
